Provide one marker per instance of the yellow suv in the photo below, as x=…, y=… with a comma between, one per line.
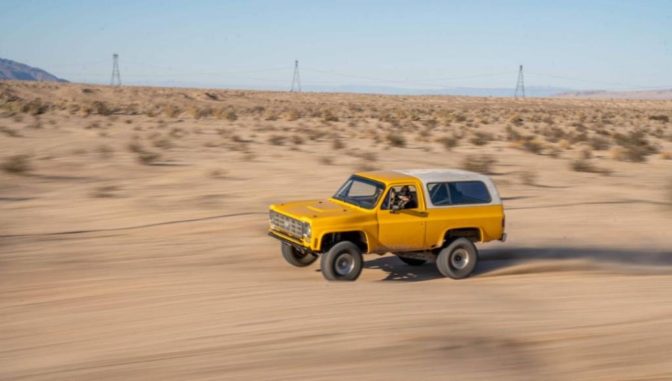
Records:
x=419, y=215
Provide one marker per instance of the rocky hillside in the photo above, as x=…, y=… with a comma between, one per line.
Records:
x=12, y=70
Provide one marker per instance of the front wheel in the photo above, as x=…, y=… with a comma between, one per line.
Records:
x=295, y=257
x=342, y=262
x=457, y=260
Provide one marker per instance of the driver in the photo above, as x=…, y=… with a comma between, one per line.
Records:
x=403, y=197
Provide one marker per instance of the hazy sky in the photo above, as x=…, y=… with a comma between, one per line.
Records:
x=419, y=44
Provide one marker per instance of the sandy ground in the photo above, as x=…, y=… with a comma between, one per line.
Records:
x=114, y=269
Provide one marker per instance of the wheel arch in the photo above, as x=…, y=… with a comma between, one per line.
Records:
x=358, y=237
x=475, y=234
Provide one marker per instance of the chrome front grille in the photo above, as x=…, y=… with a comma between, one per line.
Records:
x=285, y=224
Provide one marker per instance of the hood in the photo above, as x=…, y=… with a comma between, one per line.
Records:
x=315, y=209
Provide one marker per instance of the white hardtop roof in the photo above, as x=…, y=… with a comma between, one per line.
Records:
x=442, y=175
x=428, y=176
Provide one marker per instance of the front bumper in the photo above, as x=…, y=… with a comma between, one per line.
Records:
x=289, y=240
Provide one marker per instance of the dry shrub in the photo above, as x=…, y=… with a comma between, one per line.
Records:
x=148, y=158
x=34, y=107
x=517, y=120
x=553, y=134
x=531, y=144
x=164, y=143
x=396, y=139
x=105, y=151
x=297, y=140
x=326, y=160
x=479, y=163
x=584, y=165
x=636, y=146
x=599, y=143
x=449, y=142
x=231, y=116
x=512, y=135
x=135, y=147
x=528, y=178
x=218, y=173
x=106, y=191
x=10, y=132
x=101, y=108
x=329, y=116
x=276, y=140
x=660, y=118
x=481, y=138
x=586, y=153
x=364, y=166
x=17, y=164
x=292, y=115
x=198, y=112
x=337, y=144
x=170, y=111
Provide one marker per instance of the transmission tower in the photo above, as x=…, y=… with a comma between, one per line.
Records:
x=520, y=84
x=296, y=79
x=116, y=77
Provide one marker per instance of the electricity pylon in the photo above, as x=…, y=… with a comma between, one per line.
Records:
x=296, y=79
x=116, y=76
x=520, y=84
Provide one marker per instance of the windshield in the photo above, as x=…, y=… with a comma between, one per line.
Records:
x=361, y=192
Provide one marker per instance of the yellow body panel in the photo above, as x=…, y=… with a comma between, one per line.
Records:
x=406, y=230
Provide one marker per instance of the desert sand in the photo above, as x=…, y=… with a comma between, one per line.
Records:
x=133, y=238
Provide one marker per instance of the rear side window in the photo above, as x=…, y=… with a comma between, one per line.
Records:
x=458, y=193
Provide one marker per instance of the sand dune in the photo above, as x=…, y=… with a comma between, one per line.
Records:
x=133, y=238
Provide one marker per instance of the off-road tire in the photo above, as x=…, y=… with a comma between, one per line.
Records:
x=343, y=262
x=295, y=257
x=458, y=259
x=412, y=261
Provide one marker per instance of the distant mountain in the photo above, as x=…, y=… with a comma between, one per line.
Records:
x=12, y=70
x=662, y=94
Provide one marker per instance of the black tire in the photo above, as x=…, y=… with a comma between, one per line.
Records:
x=295, y=257
x=342, y=262
x=412, y=261
x=458, y=259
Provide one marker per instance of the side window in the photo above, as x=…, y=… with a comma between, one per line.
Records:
x=404, y=195
x=458, y=193
x=469, y=192
x=438, y=193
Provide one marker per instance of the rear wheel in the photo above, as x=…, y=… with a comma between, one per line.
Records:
x=412, y=261
x=296, y=258
x=457, y=260
x=342, y=262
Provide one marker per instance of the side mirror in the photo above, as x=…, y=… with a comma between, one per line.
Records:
x=395, y=208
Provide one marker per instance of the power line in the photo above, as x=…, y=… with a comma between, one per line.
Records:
x=520, y=84
x=296, y=79
x=116, y=76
